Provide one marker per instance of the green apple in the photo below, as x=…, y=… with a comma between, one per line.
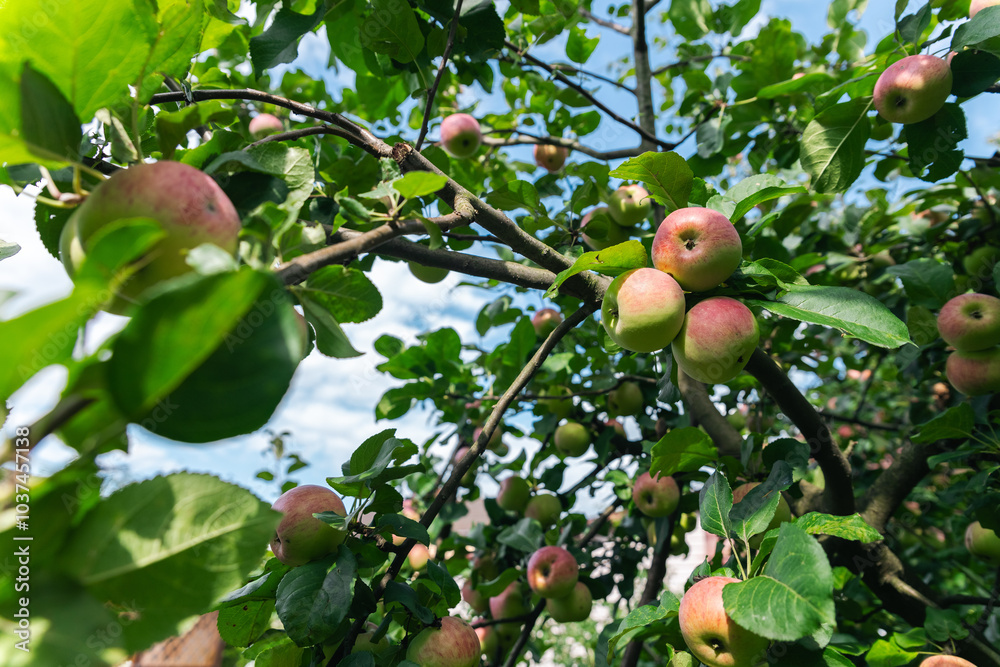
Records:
x=572, y=439
x=461, y=135
x=300, y=537
x=552, y=572
x=974, y=373
x=562, y=407
x=710, y=634
x=545, y=508
x=643, y=310
x=782, y=514
x=970, y=322
x=550, y=157
x=265, y=124
x=514, y=494
x=364, y=641
x=545, y=321
x=699, y=247
x=980, y=262
x=489, y=641
x=715, y=343
x=913, y=89
x=629, y=205
x=190, y=207
x=571, y=608
x=881, y=129
x=601, y=217
x=626, y=399
x=454, y=644
x=427, y=274
x=982, y=542
x=656, y=497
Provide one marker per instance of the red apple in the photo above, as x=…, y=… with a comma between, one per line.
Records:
x=945, y=661
x=982, y=542
x=418, y=556
x=716, y=341
x=710, y=634
x=479, y=602
x=781, y=515
x=454, y=644
x=461, y=135
x=489, y=641
x=552, y=572
x=190, y=207
x=300, y=537
x=625, y=399
x=974, y=373
x=572, y=439
x=514, y=494
x=629, y=205
x=970, y=322
x=656, y=497
x=544, y=508
x=551, y=157
x=265, y=124
x=643, y=310
x=509, y=604
x=545, y=321
x=615, y=233
x=913, y=89
x=699, y=247
x=572, y=608
x=427, y=274
x=977, y=5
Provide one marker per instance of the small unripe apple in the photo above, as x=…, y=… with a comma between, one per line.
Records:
x=427, y=274
x=550, y=157
x=625, y=399
x=514, y=494
x=561, y=408
x=699, y=247
x=710, y=634
x=978, y=5
x=970, y=322
x=980, y=262
x=974, y=373
x=552, y=572
x=656, y=497
x=982, y=542
x=545, y=508
x=781, y=515
x=602, y=216
x=572, y=608
x=265, y=124
x=545, y=321
x=364, y=643
x=715, y=343
x=300, y=537
x=629, y=205
x=643, y=310
x=913, y=89
x=572, y=439
x=454, y=644
x=418, y=556
x=461, y=135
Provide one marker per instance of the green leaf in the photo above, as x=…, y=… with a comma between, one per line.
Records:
x=847, y=527
x=854, y=313
x=818, y=80
x=974, y=72
x=348, y=294
x=833, y=145
x=391, y=452
x=330, y=338
x=928, y=282
x=407, y=597
x=690, y=18
x=141, y=548
x=933, y=143
x=8, y=249
x=612, y=261
x=955, y=422
x=754, y=512
x=172, y=126
x=525, y=535
x=278, y=44
x=667, y=176
x=49, y=126
x=983, y=26
x=391, y=28
x=714, y=502
x=313, y=599
x=756, y=190
x=641, y=620
x=245, y=614
x=419, y=184
x=578, y=46
x=682, y=450
x=512, y=195
x=400, y=525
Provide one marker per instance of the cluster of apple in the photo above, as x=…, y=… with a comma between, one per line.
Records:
x=629, y=205
x=515, y=496
x=694, y=249
x=461, y=136
x=970, y=323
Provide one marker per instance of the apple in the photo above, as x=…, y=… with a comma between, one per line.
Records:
x=625, y=399
x=699, y=247
x=427, y=274
x=509, y=604
x=710, y=634
x=545, y=321
x=454, y=644
x=782, y=514
x=364, y=641
x=300, y=537
x=479, y=602
x=552, y=572
x=977, y=5
x=946, y=660
x=643, y=310
x=716, y=341
x=561, y=407
x=485, y=565
x=572, y=608
x=618, y=427
x=545, y=508
x=974, y=373
x=265, y=124
x=190, y=207
x=572, y=439
x=656, y=497
x=982, y=542
x=881, y=129
x=514, y=494
x=615, y=233
x=550, y=157
x=489, y=641
x=469, y=478
x=461, y=135
x=913, y=89
x=629, y=205
x=980, y=262
x=681, y=659
x=970, y=322
x=418, y=556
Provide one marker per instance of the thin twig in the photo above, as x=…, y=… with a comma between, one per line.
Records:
x=617, y=27
x=432, y=92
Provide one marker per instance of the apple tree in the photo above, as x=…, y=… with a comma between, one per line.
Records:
x=867, y=442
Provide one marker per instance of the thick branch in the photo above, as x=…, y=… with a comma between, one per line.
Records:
x=654, y=582
x=894, y=484
x=727, y=440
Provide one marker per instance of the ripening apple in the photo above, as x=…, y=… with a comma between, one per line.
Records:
x=572, y=439
x=489, y=641
x=454, y=644
x=544, y=508
x=265, y=124
x=625, y=399
x=545, y=321
x=980, y=262
x=945, y=661
x=427, y=274
x=982, y=542
x=970, y=322
x=656, y=497
x=643, y=310
x=418, y=556
x=615, y=233
x=461, y=135
x=710, y=634
x=300, y=537
x=571, y=608
x=782, y=514
x=550, y=157
x=978, y=5
x=479, y=602
x=913, y=89
x=364, y=643
x=508, y=604
x=552, y=572
x=699, y=247
x=190, y=207
x=716, y=341
x=514, y=494
x=974, y=373
x=629, y=205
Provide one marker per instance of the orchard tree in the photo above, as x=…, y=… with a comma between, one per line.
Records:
x=813, y=241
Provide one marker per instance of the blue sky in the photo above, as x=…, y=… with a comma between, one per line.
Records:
x=330, y=407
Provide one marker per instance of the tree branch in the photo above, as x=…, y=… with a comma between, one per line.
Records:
x=654, y=583
x=697, y=59
x=643, y=74
x=520, y=139
x=605, y=23
x=440, y=73
x=893, y=485
x=727, y=440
